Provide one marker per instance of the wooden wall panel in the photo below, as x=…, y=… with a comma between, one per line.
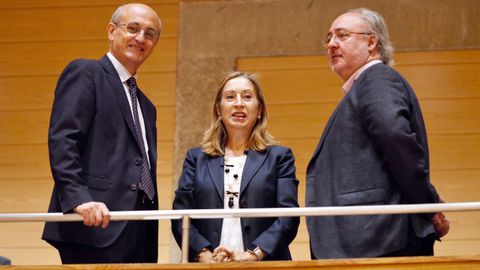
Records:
x=29, y=126
x=451, y=80
x=457, y=185
x=29, y=4
x=448, y=153
x=33, y=195
x=42, y=22
x=159, y=87
x=458, y=116
x=449, y=70
x=452, y=116
x=23, y=161
x=21, y=61
x=454, y=152
x=32, y=126
x=31, y=161
x=301, y=93
x=27, y=93
x=318, y=86
x=36, y=92
x=436, y=57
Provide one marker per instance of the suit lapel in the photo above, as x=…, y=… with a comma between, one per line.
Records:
x=215, y=168
x=119, y=92
x=252, y=164
x=325, y=133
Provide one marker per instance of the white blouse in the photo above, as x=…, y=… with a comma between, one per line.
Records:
x=231, y=229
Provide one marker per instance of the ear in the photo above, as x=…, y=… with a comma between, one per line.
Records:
x=111, y=27
x=372, y=43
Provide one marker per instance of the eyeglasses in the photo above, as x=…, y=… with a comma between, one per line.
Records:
x=135, y=29
x=340, y=35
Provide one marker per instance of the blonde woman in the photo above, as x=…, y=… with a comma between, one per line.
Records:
x=239, y=165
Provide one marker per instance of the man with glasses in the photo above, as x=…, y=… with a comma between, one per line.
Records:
x=103, y=152
x=373, y=151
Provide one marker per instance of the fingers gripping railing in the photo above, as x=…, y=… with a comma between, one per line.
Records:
x=186, y=215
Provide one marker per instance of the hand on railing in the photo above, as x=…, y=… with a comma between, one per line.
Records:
x=94, y=214
x=441, y=223
x=205, y=256
x=222, y=254
x=244, y=256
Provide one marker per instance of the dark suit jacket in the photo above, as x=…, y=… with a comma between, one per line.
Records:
x=268, y=180
x=94, y=154
x=373, y=151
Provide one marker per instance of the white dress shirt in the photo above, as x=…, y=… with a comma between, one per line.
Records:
x=349, y=83
x=124, y=76
x=231, y=237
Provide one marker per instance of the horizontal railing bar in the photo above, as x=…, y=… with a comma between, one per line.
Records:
x=114, y=215
x=252, y=212
x=337, y=210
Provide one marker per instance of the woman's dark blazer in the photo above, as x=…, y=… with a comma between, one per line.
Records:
x=268, y=180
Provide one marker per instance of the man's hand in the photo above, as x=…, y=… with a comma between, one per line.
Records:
x=440, y=222
x=94, y=214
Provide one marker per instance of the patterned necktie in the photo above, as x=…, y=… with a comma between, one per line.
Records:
x=146, y=183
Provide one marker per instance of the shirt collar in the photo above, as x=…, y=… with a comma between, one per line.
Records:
x=121, y=69
x=349, y=83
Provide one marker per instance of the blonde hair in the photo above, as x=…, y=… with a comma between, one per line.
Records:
x=215, y=137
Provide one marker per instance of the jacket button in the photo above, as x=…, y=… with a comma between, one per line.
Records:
x=247, y=229
x=133, y=187
x=137, y=161
x=243, y=204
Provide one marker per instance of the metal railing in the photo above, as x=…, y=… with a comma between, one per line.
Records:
x=186, y=215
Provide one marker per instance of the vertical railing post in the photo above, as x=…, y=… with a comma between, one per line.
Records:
x=185, y=238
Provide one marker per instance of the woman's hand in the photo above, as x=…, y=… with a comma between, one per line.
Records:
x=222, y=254
x=205, y=256
x=244, y=256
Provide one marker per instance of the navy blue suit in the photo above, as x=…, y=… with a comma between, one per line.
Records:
x=94, y=153
x=268, y=180
x=373, y=151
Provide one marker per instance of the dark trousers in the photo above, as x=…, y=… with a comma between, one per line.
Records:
x=143, y=250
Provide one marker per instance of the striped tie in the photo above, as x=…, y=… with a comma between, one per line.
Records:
x=146, y=183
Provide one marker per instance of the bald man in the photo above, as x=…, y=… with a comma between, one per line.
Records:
x=102, y=146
